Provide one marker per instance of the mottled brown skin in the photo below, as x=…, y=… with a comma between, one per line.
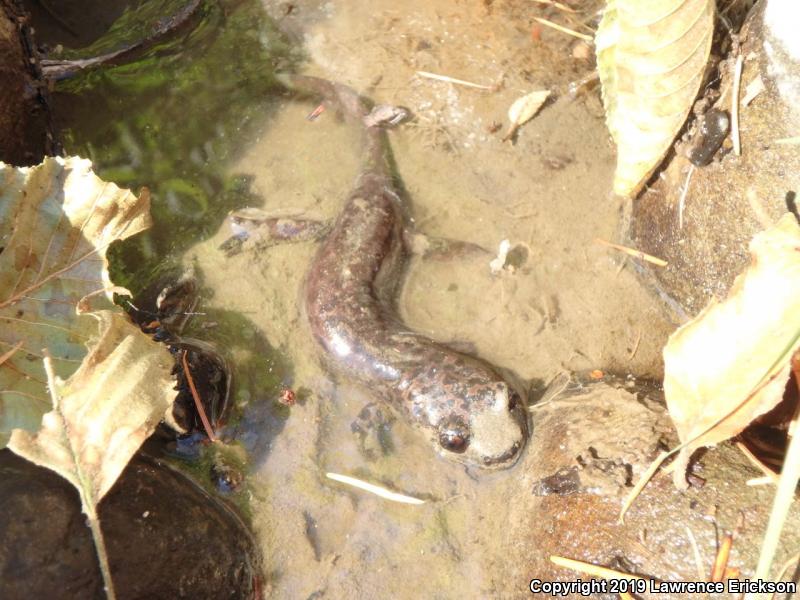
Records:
x=467, y=409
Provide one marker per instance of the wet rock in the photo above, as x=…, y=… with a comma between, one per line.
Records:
x=166, y=537
x=25, y=134
x=590, y=445
x=704, y=238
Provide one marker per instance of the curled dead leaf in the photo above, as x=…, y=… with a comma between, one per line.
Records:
x=731, y=363
x=81, y=387
x=524, y=109
x=651, y=57
x=57, y=220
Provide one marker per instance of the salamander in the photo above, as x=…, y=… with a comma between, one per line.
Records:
x=465, y=407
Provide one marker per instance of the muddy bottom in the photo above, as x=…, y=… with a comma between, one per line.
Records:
x=570, y=303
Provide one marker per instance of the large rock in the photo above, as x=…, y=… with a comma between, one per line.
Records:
x=166, y=537
x=25, y=134
x=590, y=446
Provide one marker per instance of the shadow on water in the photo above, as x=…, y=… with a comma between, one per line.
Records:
x=174, y=120
x=261, y=373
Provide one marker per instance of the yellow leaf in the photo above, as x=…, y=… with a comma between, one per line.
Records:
x=80, y=389
x=651, y=57
x=730, y=364
x=102, y=414
x=57, y=220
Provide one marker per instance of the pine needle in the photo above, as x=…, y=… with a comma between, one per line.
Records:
x=557, y=5
x=562, y=29
x=448, y=79
x=660, y=262
x=374, y=489
x=197, y=402
x=594, y=570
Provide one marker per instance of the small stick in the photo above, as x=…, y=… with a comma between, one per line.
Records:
x=758, y=481
x=447, y=79
x=558, y=5
x=312, y=116
x=635, y=345
x=374, y=489
x=737, y=81
x=563, y=29
x=635, y=253
x=198, y=404
x=789, y=140
x=756, y=463
x=721, y=560
x=590, y=569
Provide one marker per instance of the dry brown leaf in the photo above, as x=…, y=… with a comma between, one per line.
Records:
x=57, y=220
x=523, y=109
x=733, y=358
x=81, y=415
x=105, y=410
x=651, y=57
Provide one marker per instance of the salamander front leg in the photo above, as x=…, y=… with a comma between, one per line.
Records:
x=255, y=228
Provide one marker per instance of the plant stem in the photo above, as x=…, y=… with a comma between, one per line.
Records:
x=100, y=546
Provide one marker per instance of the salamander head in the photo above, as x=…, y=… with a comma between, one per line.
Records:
x=491, y=433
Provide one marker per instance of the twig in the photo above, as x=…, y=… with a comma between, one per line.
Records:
x=447, y=79
x=557, y=5
x=756, y=463
x=721, y=560
x=557, y=385
x=635, y=253
x=374, y=489
x=737, y=81
x=562, y=29
x=758, y=481
x=197, y=402
x=788, y=141
x=635, y=345
x=590, y=569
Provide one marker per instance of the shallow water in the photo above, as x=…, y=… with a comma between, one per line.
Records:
x=228, y=140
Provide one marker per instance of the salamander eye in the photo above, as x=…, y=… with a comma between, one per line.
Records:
x=514, y=400
x=454, y=436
